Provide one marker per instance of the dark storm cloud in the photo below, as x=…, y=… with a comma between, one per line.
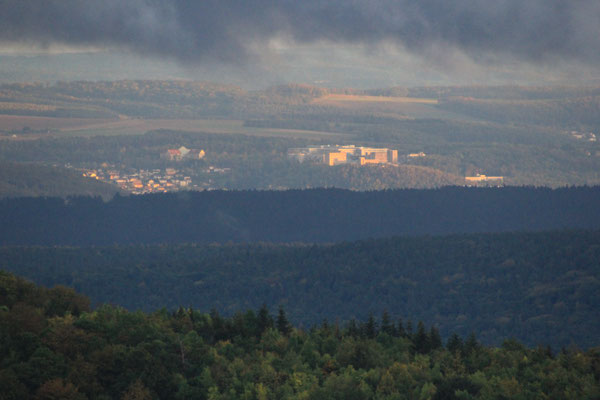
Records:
x=233, y=30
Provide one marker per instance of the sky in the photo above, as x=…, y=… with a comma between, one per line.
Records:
x=361, y=43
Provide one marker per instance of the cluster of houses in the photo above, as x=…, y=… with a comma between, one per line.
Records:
x=160, y=180
x=143, y=181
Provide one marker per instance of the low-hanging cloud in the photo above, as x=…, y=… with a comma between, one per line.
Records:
x=236, y=30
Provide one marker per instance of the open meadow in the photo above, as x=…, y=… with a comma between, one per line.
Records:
x=46, y=126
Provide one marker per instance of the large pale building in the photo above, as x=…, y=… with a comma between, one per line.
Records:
x=350, y=154
x=480, y=178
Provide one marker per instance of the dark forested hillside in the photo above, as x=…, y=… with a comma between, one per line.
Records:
x=20, y=179
x=538, y=287
x=320, y=215
x=54, y=347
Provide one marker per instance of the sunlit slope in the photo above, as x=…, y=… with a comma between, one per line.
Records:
x=388, y=106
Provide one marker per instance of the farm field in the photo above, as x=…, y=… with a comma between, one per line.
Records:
x=18, y=122
x=374, y=99
x=402, y=108
x=136, y=126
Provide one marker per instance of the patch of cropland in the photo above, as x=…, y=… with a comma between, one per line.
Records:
x=317, y=215
x=542, y=288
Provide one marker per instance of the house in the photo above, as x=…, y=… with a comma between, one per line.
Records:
x=172, y=155
x=182, y=153
x=196, y=154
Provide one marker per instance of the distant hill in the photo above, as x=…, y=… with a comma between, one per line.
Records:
x=318, y=215
x=542, y=288
x=19, y=180
x=557, y=112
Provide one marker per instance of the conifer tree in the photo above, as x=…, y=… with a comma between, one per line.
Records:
x=409, y=328
x=471, y=344
x=283, y=325
x=352, y=328
x=421, y=339
x=400, y=332
x=265, y=321
x=454, y=344
x=387, y=325
x=370, y=328
x=435, y=340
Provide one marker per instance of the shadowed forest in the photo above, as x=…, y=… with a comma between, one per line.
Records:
x=541, y=288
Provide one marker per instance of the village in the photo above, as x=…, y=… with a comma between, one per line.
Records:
x=143, y=181
x=159, y=180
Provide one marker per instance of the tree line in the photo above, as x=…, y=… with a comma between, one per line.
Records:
x=54, y=346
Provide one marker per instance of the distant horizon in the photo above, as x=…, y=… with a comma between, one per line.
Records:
x=102, y=65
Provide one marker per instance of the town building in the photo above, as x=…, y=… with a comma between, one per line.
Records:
x=480, y=178
x=335, y=155
x=183, y=153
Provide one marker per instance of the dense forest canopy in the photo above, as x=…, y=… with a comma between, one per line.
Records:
x=542, y=288
x=54, y=346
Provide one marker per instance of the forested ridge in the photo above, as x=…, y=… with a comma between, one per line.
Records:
x=318, y=215
x=54, y=346
x=21, y=179
x=542, y=288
